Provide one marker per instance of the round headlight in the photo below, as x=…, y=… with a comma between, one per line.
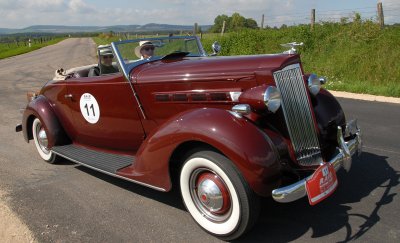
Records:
x=314, y=84
x=272, y=99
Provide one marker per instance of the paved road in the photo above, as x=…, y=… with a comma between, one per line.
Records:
x=69, y=203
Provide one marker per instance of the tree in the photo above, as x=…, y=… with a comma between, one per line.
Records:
x=218, y=22
x=235, y=22
x=250, y=23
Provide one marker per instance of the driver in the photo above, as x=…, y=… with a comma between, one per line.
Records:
x=105, y=65
x=145, y=50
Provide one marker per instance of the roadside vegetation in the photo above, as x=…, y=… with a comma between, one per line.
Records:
x=16, y=48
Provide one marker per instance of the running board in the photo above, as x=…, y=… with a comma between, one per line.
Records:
x=102, y=161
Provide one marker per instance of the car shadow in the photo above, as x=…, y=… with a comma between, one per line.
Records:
x=280, y=222
x=287, y=222
x=172, y=198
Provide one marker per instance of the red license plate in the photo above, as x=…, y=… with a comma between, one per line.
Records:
x=321, y=184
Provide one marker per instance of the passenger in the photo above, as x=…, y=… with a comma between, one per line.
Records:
x=145, y=50
x=105, y=66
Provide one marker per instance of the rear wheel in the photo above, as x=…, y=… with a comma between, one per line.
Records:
x=217, y=196
x=41, y=142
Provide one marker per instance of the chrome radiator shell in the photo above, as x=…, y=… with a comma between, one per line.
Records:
x=298, y=115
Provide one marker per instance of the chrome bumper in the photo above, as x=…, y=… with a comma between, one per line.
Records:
x=342, y=158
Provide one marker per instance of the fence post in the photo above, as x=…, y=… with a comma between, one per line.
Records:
x=312, y=19
x=262, y=22
x=381, y=18
x=195, y=29
x=223, y=28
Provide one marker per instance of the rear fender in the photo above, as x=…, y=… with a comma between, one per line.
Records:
x=248, y=147
x=41, y=108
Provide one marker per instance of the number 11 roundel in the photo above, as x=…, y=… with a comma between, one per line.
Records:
x=89, y=108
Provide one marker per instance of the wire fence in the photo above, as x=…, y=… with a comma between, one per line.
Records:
x=391, y=15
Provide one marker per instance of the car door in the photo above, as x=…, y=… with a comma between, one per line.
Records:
x=105, y=113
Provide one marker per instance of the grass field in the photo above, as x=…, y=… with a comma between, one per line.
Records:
x=355, y=57
x=9, y=50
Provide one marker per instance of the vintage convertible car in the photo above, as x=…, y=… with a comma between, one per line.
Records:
x=224, y=130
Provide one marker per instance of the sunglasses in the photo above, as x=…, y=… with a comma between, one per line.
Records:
x=109, y=56
x=150, y=48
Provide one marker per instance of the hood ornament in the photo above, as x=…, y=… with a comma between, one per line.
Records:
x=292, y=46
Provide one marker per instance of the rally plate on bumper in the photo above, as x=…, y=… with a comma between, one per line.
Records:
x=321, y=184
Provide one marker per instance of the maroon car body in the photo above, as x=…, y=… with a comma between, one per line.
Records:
x=162, y=111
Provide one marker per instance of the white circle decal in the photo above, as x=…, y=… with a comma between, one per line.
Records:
x=89, y=108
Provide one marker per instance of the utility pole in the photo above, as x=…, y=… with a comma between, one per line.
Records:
x=312, y=19
x=381, y=18
x=223, y=28
x=262, y=22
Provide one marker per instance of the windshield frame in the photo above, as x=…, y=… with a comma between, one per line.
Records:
x=128, y=67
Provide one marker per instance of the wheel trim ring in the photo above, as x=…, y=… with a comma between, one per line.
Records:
x=224, y=228
x=222, y=189
x=217, y=216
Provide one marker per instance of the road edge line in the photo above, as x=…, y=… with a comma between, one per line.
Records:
x=366, y=97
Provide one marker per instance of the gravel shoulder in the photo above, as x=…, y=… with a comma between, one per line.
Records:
x=12, y=229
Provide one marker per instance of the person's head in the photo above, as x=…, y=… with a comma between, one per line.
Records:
x=145, y=49
x=106, y=55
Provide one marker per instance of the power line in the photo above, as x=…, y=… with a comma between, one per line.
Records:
x=349, y=9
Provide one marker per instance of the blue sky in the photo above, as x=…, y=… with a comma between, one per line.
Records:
x=24, y=13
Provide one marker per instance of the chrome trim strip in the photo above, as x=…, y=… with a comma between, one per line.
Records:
x=111, y=174
x=298, y=115
x=342, y=158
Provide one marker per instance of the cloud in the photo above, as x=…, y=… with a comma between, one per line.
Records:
x=79, y=6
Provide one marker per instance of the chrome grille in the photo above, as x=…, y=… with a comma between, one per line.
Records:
x=298, y=117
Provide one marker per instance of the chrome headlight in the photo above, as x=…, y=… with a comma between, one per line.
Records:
x=272, y=99
x=314, y=84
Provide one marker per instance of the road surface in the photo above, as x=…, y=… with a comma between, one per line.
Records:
x=70, y=203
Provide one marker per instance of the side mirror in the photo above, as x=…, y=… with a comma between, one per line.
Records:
x=216, y=47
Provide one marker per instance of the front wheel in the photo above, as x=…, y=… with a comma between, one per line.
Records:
x=41, y=142
x=217, y=196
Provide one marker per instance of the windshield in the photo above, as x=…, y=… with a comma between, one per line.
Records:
x=131, y=53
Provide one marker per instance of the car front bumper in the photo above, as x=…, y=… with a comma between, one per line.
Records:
x=342, y=158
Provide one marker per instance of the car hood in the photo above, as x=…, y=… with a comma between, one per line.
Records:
x=198, y=69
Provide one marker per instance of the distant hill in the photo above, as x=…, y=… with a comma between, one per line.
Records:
x=152, y=27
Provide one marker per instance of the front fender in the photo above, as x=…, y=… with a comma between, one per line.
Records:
x=329, y=115
x=249, y=148
x=41, y=108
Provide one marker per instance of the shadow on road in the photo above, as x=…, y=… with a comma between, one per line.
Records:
x=172, y=198
x=288, y=222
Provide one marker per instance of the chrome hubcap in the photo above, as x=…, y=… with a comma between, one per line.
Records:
x=42, y=138
x=210, y=195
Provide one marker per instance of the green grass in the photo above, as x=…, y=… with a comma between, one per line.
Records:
x=9, y=50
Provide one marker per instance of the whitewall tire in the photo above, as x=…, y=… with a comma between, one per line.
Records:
x=217, y=196
x=40, y=140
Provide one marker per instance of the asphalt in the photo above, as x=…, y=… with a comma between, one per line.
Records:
x=70, y=203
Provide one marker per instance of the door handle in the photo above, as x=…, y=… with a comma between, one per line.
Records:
x=68, y=96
